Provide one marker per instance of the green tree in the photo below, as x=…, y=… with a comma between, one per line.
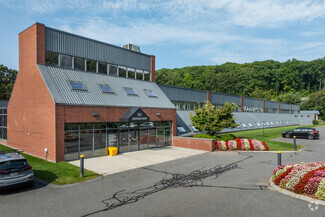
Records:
x=7, y=80
x=212, y=120
x=316, y=101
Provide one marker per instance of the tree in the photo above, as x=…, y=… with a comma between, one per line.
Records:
x=211, y=119
x=7, y=80
x=316, y=101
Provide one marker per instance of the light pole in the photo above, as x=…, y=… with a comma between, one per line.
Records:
x=263, y=128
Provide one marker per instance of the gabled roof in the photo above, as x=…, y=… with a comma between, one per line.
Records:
x=58, y=80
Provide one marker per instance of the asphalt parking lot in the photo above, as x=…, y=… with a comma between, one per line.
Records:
x=208, y=184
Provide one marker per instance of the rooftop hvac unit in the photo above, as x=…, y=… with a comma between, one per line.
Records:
x=132, y=47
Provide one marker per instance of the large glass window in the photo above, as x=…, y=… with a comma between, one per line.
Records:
x=131, y=73
x=51, y=59
x=65, y=61
x=102, y=68
x=139, y=74
x=121, y=71
x=113, y=70
x=146, y=76
x=79, y=63
x=91, y=65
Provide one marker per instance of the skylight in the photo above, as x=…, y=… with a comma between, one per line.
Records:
x=130, y=91
x=106, y=88
x=150, y=93
x=77, y=85
x=181, y=129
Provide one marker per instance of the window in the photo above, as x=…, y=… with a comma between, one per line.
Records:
x=139, y=74
x=113, y=70
x=79, y=63
x=249, y=124
x=106, y=88
x=244, y=125
x=91, y=65
x=51, y=59
x=122, y=71
x=150, y=93
x=102, y=68
x=146, y=76
x=130, y=91
x=131, y=73
x=65, y=61
x=181, y=129
x=77, y=85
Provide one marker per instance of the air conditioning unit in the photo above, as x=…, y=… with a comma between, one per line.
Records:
x=132, y=47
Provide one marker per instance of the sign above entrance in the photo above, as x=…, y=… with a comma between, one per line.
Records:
x=134, y=115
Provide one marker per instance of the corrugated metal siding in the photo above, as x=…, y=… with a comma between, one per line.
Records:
x=252, y=102
x=285, y=106
x=221, y=99
x=70, y=44
x=184, y=94
x=295, y=107
x=271, y=104
x=57, y=81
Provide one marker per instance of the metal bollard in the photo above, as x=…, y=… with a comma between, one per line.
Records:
x=82, y=165
x=294, y=143
x=279, y=158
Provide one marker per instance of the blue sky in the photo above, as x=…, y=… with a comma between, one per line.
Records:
x=179, y=32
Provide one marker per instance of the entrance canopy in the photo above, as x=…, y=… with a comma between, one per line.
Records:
x=134, y=114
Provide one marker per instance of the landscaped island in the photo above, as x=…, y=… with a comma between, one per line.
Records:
x=303, y=178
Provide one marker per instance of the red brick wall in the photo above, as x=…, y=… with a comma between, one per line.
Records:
x=3, y=142
x=83, y=114
x=31, y=110
x=194, y=143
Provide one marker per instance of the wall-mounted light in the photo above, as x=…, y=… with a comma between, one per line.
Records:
x=95, y=114
x=158, y=114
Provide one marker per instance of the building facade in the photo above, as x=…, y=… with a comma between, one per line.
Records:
x=75, y=95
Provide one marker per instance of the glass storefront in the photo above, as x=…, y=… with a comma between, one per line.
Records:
x=91, y=139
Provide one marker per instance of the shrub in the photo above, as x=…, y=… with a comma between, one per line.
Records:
x=315, y=122
x=224, y=137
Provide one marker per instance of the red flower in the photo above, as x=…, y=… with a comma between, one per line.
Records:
x=251, y=146
x=265, y=146
x=282, y=176
x=299, y=188
x=227, y=145
x=238, y=143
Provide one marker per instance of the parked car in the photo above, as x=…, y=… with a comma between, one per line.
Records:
x=302, y=132
x=14, y=171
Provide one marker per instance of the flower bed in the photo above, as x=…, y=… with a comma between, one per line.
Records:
x=304, y=178
x=242, y=144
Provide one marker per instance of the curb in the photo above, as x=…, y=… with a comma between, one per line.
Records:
x=274, y=187
x=49, y=185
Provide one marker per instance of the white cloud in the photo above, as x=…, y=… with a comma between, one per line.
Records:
x=311, y=45
x=248, y=13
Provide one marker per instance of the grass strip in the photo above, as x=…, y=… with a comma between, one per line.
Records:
x=60, y=173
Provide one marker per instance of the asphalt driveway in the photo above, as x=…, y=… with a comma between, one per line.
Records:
x=208, y=184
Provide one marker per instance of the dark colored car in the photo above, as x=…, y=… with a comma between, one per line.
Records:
x=14, y=171
x=302, y=132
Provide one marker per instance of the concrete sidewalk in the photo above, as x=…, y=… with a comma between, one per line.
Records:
x=107, y=165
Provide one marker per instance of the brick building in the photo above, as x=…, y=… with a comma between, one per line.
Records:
x=75, y=95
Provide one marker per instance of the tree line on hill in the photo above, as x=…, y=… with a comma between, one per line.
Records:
x=293, y=81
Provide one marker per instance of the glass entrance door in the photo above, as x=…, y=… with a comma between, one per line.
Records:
x=133, y=136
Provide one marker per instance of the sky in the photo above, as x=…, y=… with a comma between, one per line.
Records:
x=179, y=32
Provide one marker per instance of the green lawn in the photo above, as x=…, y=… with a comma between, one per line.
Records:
x=272, y=133
x=56, y=173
